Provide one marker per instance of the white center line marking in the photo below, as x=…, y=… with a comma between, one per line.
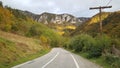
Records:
x=77, y=66
x=50, y=60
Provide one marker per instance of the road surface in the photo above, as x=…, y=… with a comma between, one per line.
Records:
x=58, y=58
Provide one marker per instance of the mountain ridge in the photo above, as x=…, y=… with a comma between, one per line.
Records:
x=48, y=18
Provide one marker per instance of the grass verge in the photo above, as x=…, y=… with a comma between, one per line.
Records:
x=15, y=49
x=100, y=61
x=25, y=59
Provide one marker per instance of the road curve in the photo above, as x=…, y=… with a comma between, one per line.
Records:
x=58, y=58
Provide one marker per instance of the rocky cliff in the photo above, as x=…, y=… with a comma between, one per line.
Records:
x=49, y=18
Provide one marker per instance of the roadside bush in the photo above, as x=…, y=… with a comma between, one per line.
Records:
x=101, y=46
x=76, y=44
x=95, y=47
x=55, y=39
x=110, y=59
x=66, y=42
x=105, y=42
x=95, y=51
x=113, y=61
x=88, y=42
x=82, y=42
x=116, y=42
x=116, y=64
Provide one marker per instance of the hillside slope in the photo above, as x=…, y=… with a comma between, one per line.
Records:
x=111, y=25
x=14, y=47
x=14, y=21
x=21, y=37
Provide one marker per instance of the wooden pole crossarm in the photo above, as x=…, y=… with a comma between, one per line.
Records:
x=101, y=7
x=100, y=15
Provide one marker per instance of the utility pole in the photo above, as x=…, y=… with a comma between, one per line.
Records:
x=100, y=14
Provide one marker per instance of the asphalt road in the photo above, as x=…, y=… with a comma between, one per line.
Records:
x=58, y=58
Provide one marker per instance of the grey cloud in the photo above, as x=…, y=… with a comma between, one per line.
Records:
x=79, y=8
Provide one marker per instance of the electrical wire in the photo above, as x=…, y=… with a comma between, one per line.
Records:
x=109, y=2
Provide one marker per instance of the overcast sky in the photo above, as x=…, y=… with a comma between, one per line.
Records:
x=78, y=8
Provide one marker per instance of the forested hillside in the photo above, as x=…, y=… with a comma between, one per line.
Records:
x=14, y=21
x=21, y=38
x=111, y=25
x=91, y=26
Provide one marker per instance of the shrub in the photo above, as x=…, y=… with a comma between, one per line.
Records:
x=34, y=30
x=95, y=51
x=113, y=61
x=14, y=28
x=76, y=44
x=110, y=59
x=105, y=42
x=116, y=42
x=116, y=64
x=43, y=39
x=7, y=27
x=65, y=42
x=102, y=45
x=82, y=42
x=88, y=42
x=93, y=46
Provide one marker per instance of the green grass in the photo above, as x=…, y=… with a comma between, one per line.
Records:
x=7, y=42
x=30, y=57
x=25, y=59
x=100, y=61
x=11, y=55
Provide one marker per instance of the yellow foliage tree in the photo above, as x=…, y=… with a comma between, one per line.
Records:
x=6, y=19
x=43, y=39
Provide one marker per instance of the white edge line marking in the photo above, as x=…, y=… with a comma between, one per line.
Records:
x=50, y=60
x=77, y=66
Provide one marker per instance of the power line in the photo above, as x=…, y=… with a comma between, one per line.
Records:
x=109, y=2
